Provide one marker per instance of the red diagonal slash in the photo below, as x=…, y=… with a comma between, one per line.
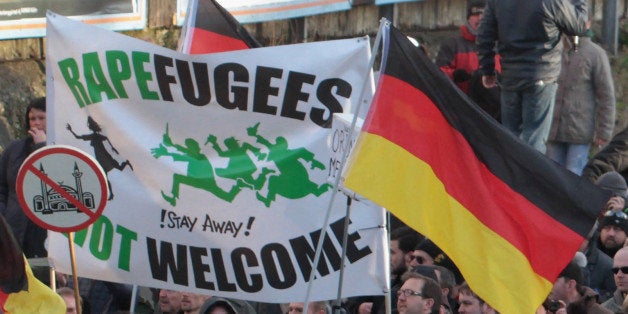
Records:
x=60, y=190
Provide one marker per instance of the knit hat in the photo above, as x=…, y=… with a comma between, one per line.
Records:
x=430, y=248
x=475, y=7
x=613, y=181
x=440, y=258
x=615, y=218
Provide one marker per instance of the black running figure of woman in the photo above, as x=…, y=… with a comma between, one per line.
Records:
x=103, y=156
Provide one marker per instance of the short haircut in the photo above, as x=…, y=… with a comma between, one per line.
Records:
x=447, y=278
x=466, y=290
x=573, y=271
x=407, y=238
x=431, y=289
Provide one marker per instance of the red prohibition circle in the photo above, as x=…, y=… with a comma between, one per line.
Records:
x=71, y=152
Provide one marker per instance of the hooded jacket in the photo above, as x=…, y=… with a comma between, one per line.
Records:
x=585, y=100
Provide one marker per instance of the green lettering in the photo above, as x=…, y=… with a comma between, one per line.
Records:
x=125, y=246
x=142, y=76
x=101, y=240
x=70, y=72
x=119, y=70
x=95, y=78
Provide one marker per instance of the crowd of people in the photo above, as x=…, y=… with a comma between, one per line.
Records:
x=541, y=76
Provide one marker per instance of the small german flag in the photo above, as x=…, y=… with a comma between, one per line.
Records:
x=509, y=217
x=20, y=290
x=210, y=28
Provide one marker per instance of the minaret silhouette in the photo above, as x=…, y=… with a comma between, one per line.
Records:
x=79, y=186
x=44, y=193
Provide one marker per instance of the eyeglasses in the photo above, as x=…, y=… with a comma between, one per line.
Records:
x=408, y=292
x=623, y=269
x=618, y=214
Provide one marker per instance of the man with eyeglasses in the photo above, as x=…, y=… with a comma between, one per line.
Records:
x=618, y=303
x=418, y=295
x=613, y=232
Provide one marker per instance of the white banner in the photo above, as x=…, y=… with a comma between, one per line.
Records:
x=217, y=164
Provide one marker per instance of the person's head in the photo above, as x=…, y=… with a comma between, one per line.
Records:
x=169, y=301
x=613, y=181
x=93, y=125
x=471, y=303
x=475, y=8
x=35, y=116
x=620, y=269
x=613, y=229
x=220, y=307
x=68, y=296
x=192, y=302
x=568, y=285
x=425, y=253
x=402, y=242
x=418, y=295
x=319, y=307
x=447, y=280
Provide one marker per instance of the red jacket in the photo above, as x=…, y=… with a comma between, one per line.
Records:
x=460, y=52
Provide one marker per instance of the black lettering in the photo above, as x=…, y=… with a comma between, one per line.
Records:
x=252, y=283
x=160, y=264
x=199, y=269
x=273, y=255
x=324, y=93
x=305, y=253
x=294, y=94
x=263, y=89
x=163, y=78
x=221, y=273
x=231, y=96
x=353, y=253
x=201, y=76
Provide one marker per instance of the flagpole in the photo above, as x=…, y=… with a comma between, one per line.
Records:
x=345, y=155
x=77, y=297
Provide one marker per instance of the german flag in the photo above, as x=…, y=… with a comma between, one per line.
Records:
x=20, y=290
x=210, y=28
x=509, y=218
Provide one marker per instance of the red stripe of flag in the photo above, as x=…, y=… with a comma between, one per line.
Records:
x=210, y=28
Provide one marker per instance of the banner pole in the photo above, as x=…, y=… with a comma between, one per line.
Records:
x=77, y=297
x=345, y=155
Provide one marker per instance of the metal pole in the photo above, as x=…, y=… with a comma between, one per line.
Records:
x=319, y=246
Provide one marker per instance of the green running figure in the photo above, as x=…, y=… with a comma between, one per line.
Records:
x=240, y=165
x=293, y=180
x=200, y=173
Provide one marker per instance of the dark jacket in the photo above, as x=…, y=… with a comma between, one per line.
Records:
x=28, y=234
x=585, y=100
x=528, y=36
x=599, y=269
x=588, y=304
x=613, y=157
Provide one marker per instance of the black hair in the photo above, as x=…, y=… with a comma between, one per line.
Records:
x=37, y=103
x=407, y=237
